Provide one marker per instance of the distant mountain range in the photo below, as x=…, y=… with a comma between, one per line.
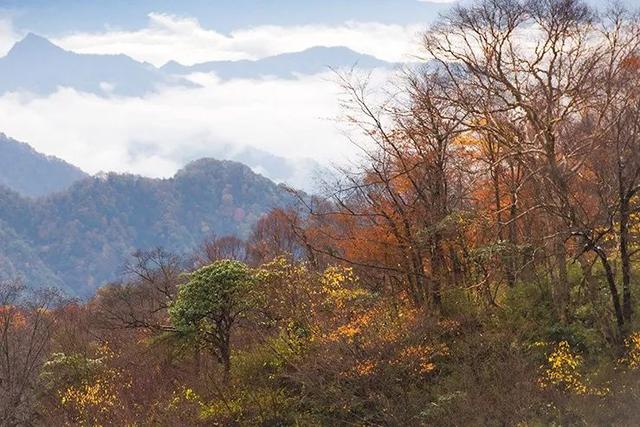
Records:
x=32, y=174
x=79, y=237
x=300, y=173
x=38, y=66
x=289, y=65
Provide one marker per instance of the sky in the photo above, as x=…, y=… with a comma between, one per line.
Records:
x=62, y=16
x=229, y=29
x=156, y=134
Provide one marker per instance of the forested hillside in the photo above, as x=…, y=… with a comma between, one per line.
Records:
x=479, y=266
x=32, y=174
x=79, y=239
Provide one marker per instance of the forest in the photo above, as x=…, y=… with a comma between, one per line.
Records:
x=478, y=264
x=76, y=239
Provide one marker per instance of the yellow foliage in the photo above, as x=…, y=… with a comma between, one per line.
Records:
x=98, y=396
x=381, y=323
x=184, y=394
x=420, y=357
x=632, y=356
x=93, y=401
x=364, y=368
x=563, y=370
x=353, y=328
x=340, y=284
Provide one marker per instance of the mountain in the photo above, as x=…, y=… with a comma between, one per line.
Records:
x=300, y=173
x=36, y=65
x=285, y=66
x=79, y=239
x=32, y=174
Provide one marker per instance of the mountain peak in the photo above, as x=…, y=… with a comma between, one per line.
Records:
x=172, y=63
x=33, y=43
x=334, y=55
x=22, y=70
x=323, y=48
x=208, y=165
x=33, y=37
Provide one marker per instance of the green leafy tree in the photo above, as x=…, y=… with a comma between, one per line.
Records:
x=209, y=305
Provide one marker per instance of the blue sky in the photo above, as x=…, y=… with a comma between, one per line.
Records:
x=61, y=16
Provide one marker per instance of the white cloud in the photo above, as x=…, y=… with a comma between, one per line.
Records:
x=157, y=134
x=169, y=37
x=8, y=35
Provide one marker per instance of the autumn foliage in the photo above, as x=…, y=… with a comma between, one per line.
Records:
x=479, y=266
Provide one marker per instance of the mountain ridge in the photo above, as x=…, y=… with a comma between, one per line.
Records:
x=22, y=70
x=78, y=239
x=36, y=65
x=31, y=173
x=286, y=65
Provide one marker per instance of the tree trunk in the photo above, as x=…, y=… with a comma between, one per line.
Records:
x=625, y=259
x=223, y=346
x=438, y=273
x=591, y=286
x=611, y=281
x=562, y=286
x=513, y=258
x=225, y=353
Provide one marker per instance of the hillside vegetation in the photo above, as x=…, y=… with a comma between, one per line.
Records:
x=79, y=239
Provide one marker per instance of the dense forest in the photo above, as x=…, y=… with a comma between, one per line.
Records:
x=478, y=266
x=76, y=239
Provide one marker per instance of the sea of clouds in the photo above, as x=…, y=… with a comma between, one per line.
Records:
x=156, y=134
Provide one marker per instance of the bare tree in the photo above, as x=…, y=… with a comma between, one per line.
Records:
x=151, y=283
x=27, y=323
x=541, y=64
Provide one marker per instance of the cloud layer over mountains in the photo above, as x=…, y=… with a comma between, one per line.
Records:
x=169, y=37
x=113, y=113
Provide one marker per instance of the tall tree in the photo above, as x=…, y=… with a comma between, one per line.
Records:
x=209, y=305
